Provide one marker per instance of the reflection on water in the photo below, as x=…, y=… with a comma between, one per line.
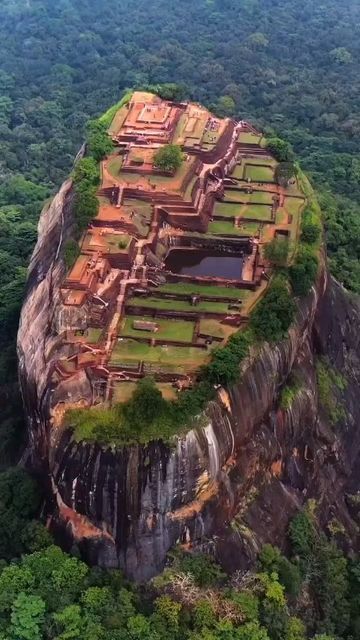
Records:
x=205, y=263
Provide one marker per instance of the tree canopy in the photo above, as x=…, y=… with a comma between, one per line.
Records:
x=168, y=158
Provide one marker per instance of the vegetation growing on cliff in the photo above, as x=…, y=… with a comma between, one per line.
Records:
x=86, y=179
x=280, y=149
x=330, y=384
x=71, y=252
x=289, y=392
x=274, y=314
x=145, y=417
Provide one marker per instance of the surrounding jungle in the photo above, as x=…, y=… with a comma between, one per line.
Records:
x=293, y=69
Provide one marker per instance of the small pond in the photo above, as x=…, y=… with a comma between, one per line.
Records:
x=194, y=262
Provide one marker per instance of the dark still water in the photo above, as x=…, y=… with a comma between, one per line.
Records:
x=204, y=263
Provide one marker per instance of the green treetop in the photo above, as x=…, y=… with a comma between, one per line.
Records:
x=168, y=158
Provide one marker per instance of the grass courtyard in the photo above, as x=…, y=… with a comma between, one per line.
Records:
x=220, y=228
x=258, y=197
x=204, y=290
x=246, y=137
x=293, y=205
x=178, y=305
x=213, y=328
x=228, y=209
x=259, y=173
x=233, y=195
x=180, y=330
x=117, y=242
x=174, y=358
x=252, y=211
x=238, y=172
x=257, y=212
x=128, y=177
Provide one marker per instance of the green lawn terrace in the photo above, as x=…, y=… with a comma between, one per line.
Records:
x=115, y=117
x=114, y=164
x=257, y=169
x=157, y=305
x=208, y=327
x=141, y=358
x=157, y=329
x=247, y=212
x=291, y=212
x=231, y=228
x=165, y=346
x=207, y=292
x=163, y=332
x=288, y=219
x=246, y=137
x=246, y=195
x=259, y=173
x=191, y=127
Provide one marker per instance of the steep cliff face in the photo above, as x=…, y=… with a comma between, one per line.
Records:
x=237, y=480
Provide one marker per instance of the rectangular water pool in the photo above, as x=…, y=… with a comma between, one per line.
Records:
x=195, y=262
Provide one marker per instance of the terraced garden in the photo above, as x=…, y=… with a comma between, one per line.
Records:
x=178, y=305
x=220, y=228
x=251, y=211
x=216, y=329
x=257, y=197
x=179, y=330
x=259, y=173
x=246, y=137
x=228, y=209
x=257, y=212
x=202, y=290
x=171, y=358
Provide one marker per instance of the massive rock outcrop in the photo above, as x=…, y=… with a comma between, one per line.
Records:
x=234, y=482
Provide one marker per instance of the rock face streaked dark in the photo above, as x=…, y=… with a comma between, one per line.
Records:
x=237, y=480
